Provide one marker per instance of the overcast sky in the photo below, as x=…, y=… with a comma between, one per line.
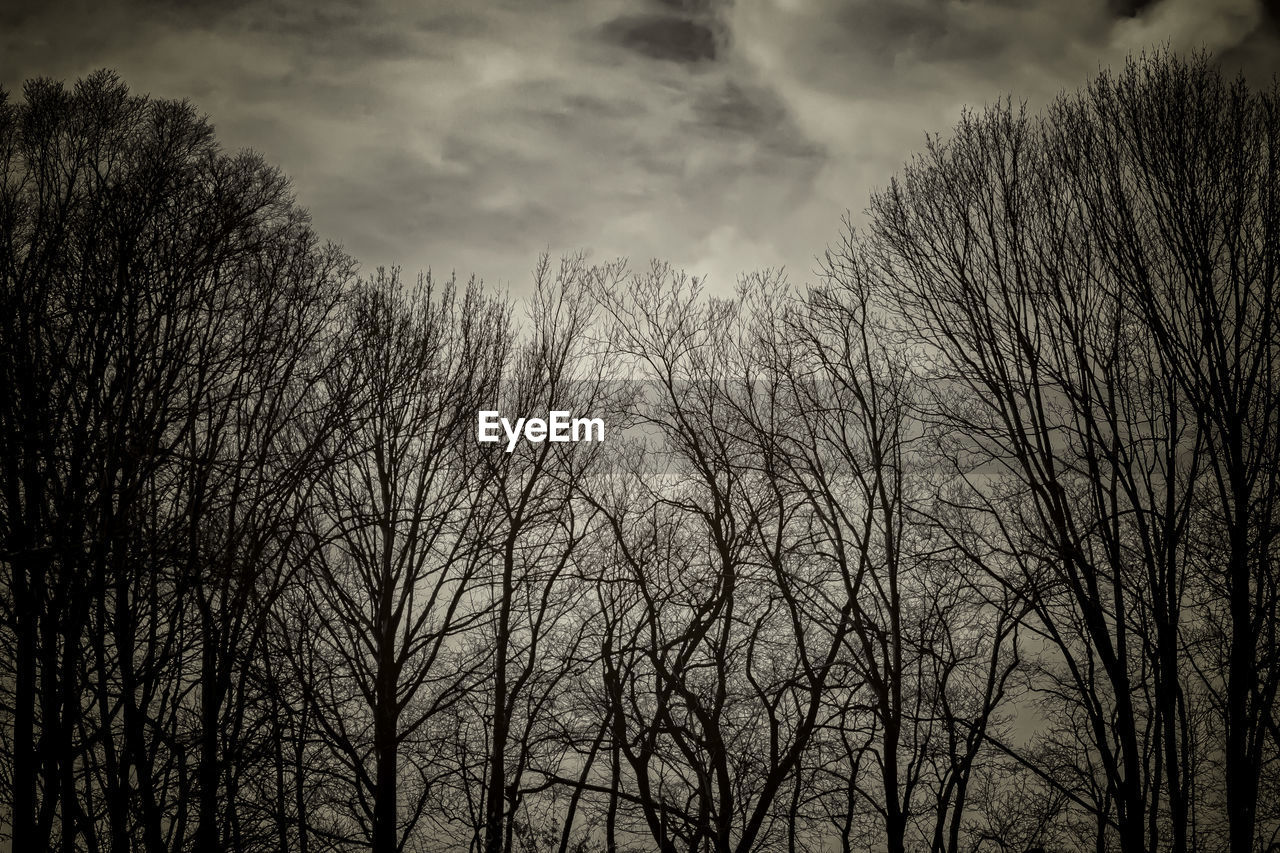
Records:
x=722, y=136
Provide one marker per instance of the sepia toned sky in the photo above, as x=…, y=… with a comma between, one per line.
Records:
x=721, y=135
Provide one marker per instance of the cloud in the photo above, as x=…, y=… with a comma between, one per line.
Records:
x=866, y=80
x=664, y=37
x=1190, y=25
x=721, y=136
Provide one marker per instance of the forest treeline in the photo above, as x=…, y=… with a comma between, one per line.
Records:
x=970, y=544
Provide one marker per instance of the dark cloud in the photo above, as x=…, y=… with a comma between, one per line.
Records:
x=664, y=37
x=686, y=5
x=732, y=108
x=1129, y=8
x=739, y=110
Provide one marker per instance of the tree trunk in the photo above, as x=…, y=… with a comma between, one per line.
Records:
x=1242, y=676
x=207, y=835
x=24, y=757
x=495, y=803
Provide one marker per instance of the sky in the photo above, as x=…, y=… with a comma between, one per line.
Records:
x=722, y=136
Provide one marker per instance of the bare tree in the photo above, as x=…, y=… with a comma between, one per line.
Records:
x=1015, y=252
x=395, y=585
x=162, y=301
x=1175, y=170
x=725, y=621
x=536, y=553
x=931, y=652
